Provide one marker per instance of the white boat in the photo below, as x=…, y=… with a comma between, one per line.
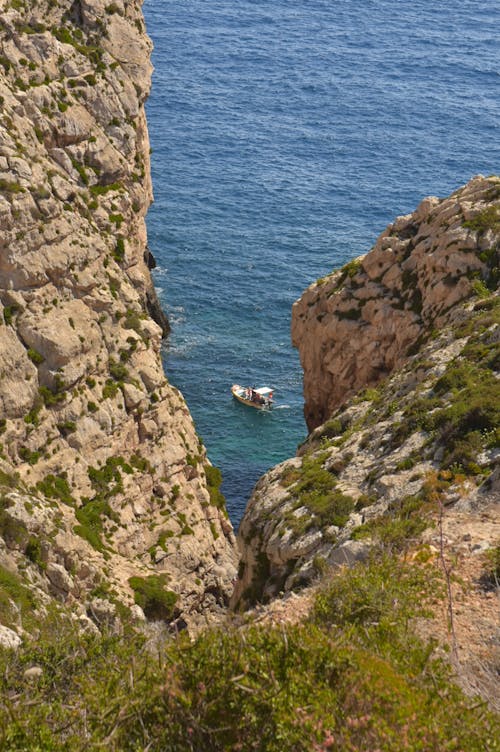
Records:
x=261, y=398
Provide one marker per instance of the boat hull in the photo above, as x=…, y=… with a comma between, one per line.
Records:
x=238, y=393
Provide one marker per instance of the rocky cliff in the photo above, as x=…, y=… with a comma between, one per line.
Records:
x=105, y=498
x=405, y=341
x=354, y=327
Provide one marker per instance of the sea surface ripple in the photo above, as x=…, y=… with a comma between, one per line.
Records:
x=286, y=135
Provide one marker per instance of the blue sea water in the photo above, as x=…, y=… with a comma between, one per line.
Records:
x=286, y=135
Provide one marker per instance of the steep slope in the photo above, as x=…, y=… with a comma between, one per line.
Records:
x=104, y=476
x=407, y=467
x=426, y=436
x=355, y=326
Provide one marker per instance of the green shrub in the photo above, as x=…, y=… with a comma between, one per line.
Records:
x=13, y=591
x=487, y=219
x=119, y=252
x=117, y=370
x=29, y=455
x=9, y=480
x=10, y=186
x=50, y=397
x=35, y=356
x=107, y=480
x=263, y=689
x=491, y=575
x=110, y=389
x=67, y=427
x=90, y=516
x=99, y=190
x=56, y=487
x=140, y=463
x=375, y=602
x=315, y=489
x=9, y=311
x=399, y=526
x=150, y=594
x=214, y=481
x=12, y=530
x=33, y=551
x=133, y=320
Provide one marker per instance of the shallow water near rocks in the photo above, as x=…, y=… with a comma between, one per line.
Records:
x=286, y=136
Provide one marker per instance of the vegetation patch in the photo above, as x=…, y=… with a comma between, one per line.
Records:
x=12, y=530
x=35, y=356
x=90, y=516
x=315, y=489
x=487, y=219
x=15, y=599
x=214, y=480
x=152, y=596
x=356, y=678
x=56, y=487
x=462, y=413
x=401, y=524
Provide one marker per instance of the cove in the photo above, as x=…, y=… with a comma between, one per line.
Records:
x=285, y=136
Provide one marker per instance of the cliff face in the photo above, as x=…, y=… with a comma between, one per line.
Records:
x=355, y=326
x=423, y=307
x=104, y=476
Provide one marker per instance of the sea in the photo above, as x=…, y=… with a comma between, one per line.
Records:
x=286, y=135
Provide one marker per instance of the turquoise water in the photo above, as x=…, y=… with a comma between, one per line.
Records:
x=286, y=136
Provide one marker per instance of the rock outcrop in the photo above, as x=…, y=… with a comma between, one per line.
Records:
x=354, y=327
x=426, y=314
x=104, y=476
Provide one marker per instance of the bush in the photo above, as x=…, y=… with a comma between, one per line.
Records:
x=119, y=252
x=491, y=576
x=35, y=356
x=214, y=480
x=315, y=489
x=118, y=371
x=152, y=597
x=10, y=310
x=90, y=516
x=269, y=690
x=56, y=487
x=487, y=219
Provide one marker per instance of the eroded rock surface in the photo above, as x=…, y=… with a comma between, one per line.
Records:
x=354, y=327
x=106, y=473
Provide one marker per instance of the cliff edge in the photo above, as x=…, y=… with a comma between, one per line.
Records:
x=404, y=343
x=354, y=327
x=105, y=500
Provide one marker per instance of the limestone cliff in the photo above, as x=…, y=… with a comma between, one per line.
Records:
x=355, y=326
x=421, y=309
x=104, y=476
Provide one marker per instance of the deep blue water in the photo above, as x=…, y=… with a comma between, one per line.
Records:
x=286, y=135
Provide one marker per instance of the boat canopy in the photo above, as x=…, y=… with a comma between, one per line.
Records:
x=264, y=391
